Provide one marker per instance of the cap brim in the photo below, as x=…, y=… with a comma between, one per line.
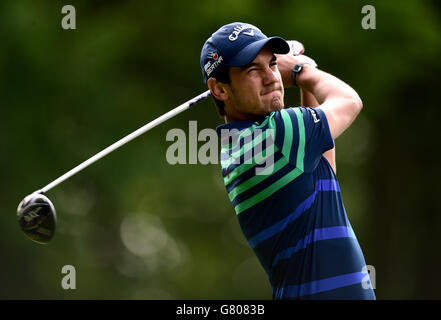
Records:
x=250, y=52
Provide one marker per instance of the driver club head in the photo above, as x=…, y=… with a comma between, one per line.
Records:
x=37, y=217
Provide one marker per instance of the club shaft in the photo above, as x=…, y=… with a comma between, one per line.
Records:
x=126, y=139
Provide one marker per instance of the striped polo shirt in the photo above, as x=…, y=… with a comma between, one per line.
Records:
x=288, y=203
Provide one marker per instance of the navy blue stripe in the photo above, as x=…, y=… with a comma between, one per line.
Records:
x=254, y=219
x=263, y=185
x=250, y=173
x=321, y=185
x=354, y=292
x=238, y=125
x=319, y=260
x=253, y=223
x=314, y=236
x=226, y=153
x=319, y=285
x=229, y=137
x=242, y=142
x=247, y=157
x=295, y=129
x=280, y=130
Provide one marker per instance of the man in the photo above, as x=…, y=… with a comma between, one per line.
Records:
x=291, y=212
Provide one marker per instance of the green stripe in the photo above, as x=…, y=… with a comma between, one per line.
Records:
x=258, y=197
x=257, y=179
x=301, y=149
x=248, y=146
x=287, y=142
x=238, y=153
x=286, y=150
x=246, y=166
x=245, y=132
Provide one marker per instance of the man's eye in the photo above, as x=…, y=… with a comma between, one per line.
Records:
x=273, y=64
x=252, y=69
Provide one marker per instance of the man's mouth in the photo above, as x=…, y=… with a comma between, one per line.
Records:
x=270, y=92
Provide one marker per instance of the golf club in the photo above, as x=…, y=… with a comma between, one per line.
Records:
x=36, y=213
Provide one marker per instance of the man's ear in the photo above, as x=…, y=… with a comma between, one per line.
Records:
x=217, y=89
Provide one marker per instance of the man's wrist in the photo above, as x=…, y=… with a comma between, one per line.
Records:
x=305, y=74
x=299, y=69
x=295, y=71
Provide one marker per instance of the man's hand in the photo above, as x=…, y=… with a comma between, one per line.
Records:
x=297, y=49
x=287, y=61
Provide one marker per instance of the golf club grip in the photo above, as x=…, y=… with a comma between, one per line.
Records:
x=126, y=139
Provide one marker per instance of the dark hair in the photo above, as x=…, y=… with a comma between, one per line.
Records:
x=222, y=75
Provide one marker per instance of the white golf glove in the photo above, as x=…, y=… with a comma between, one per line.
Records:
x=297, y=50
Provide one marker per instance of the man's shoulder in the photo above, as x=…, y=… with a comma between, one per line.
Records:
x=293, y=111
x=269, y=121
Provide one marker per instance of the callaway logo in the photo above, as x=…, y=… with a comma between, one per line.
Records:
x=238, y=29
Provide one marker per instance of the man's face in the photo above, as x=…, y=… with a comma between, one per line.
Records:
x=256, y=89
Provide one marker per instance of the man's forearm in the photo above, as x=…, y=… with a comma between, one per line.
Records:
x=323, y=85
x=338, y=100
x=307, y=99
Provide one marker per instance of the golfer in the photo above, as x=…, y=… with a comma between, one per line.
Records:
x=291, y=210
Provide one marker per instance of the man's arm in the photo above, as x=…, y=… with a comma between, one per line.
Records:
x=307, y=99
x=338, y=100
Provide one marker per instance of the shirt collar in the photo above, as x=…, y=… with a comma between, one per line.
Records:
x=239, y=125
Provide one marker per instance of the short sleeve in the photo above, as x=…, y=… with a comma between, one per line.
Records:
x=302, y=135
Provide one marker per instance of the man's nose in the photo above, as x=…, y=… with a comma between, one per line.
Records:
x=270, y=76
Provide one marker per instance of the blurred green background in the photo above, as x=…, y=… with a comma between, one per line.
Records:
x=135, y=227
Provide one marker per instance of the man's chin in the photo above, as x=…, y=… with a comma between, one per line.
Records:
x=276, y=104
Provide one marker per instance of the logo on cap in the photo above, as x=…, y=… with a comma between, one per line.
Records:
x=209, y=67
x=213, y=55
x=238, y=29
